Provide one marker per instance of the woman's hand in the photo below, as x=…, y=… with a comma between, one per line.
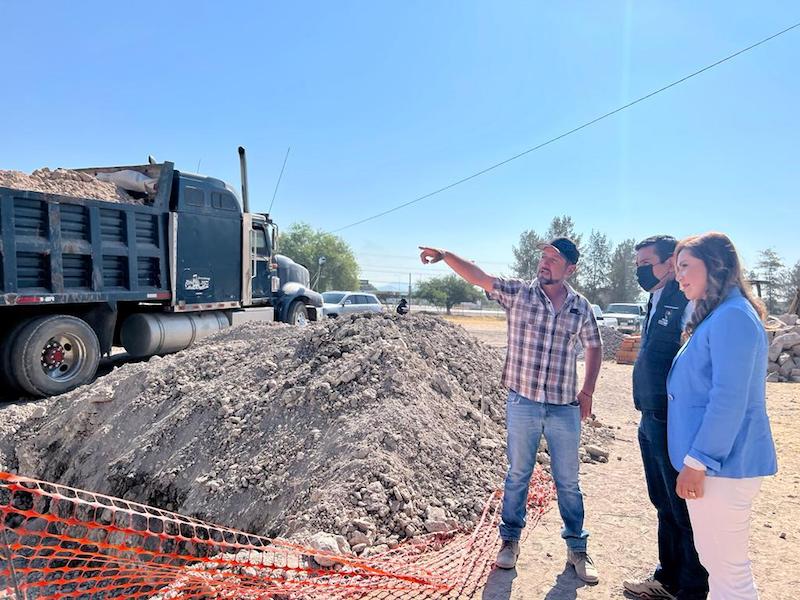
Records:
x=690, y=483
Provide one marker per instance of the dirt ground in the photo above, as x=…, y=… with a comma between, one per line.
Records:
x=620, y=518
x=618, y=513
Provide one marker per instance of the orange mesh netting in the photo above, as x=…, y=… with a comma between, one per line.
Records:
x=59, y=542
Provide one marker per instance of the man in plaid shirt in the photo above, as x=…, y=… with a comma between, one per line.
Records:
x=546, y=320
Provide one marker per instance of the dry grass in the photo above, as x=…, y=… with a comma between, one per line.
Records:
x=478, y=320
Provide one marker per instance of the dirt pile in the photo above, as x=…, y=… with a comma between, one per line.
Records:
x=784, y=350
x=65, y=183
x=366, y=426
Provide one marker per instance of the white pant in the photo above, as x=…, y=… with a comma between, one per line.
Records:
x=721, y=525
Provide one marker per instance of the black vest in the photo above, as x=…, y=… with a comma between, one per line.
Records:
x=660, y=343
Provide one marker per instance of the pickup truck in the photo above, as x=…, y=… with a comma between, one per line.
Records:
x=186, y=259
x=629, y=315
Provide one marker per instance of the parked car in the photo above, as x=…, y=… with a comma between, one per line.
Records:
x=604, y=319
x=345, y=303
x=629, y=315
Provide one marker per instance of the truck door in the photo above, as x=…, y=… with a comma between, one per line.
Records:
x=260, y=254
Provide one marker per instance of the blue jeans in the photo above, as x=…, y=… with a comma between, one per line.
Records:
x=679, y=568
x=526, y=421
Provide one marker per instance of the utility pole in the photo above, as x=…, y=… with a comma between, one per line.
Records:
x=409, y=291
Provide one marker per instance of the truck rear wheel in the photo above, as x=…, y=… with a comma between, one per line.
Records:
x=52, y=355
x=297, y=314
x=6, y=346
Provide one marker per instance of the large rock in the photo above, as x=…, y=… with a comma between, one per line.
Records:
x=786, y=340
x=788, y=319
x=787, y=367
x=325, y=542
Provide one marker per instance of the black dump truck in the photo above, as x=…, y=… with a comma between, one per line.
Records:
x=185, y=259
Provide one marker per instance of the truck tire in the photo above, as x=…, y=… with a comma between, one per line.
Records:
x=52, y=355
x=7, y=378
x=297, y=314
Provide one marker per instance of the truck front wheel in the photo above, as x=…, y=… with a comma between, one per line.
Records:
x=52, y=355
x=297, y=314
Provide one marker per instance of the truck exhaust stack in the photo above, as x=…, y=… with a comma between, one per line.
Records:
x=243, y=167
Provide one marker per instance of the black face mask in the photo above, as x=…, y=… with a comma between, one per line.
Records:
x=646, y=277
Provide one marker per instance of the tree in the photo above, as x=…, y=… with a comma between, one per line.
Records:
x=771, y=266
x=791, y=283
x=596, y=267
x=305, y=245
x=447, y=291
x=623, y=286
x=563, y=227
x=526, y=255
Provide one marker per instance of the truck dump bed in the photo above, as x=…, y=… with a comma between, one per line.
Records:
x=57, y=249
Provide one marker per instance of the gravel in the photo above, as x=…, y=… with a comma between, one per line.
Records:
x=65, y=182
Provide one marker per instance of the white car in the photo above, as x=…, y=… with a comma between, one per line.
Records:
x=629, y=315
x=603, y=319
x=345, y=303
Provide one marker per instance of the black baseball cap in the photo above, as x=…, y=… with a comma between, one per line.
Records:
x=565, y=247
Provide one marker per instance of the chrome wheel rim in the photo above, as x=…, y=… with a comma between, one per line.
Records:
x=63, y=357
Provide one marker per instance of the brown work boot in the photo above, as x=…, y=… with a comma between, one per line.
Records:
x=507, y=557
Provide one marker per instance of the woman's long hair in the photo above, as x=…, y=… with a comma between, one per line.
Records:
x=724, y=274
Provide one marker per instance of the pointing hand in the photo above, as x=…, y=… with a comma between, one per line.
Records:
x=430, y=255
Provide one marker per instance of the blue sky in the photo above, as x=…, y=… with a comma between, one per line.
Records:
x=382, y=102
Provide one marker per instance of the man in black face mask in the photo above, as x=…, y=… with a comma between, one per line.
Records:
x=679, y=574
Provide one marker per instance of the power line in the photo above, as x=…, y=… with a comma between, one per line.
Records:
x=570, y=132
x=277, y=183
x=416, y=258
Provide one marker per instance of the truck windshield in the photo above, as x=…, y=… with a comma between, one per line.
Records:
x=629, y=309
x=332, y=297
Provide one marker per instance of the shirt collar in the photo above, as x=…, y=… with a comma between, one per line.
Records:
x=571, y=293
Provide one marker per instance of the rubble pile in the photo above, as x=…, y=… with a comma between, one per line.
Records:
x=784, y=348
x=612, y=340
x=366, y=427
x=65, y=182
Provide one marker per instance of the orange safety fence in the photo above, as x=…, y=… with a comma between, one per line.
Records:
x=59, y=542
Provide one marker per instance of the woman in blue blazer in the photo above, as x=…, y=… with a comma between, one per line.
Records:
x=718, y=431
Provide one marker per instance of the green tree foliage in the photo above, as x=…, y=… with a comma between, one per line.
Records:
x=526, y=255
x=305, y=245
x=623, y=286
x=791, y=286
x=596, y=268
x=564, y=226
x=447, y=291
x=771, y=269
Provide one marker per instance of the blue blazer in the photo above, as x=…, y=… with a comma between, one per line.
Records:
x=716, y=393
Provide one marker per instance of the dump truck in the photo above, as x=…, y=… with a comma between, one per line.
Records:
x=185, y=258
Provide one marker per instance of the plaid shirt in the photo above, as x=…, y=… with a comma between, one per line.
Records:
x=542, y=344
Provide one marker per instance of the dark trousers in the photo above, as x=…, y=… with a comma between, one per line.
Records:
x=679, y=570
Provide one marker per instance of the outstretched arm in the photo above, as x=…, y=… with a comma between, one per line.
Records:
x=464, y=268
